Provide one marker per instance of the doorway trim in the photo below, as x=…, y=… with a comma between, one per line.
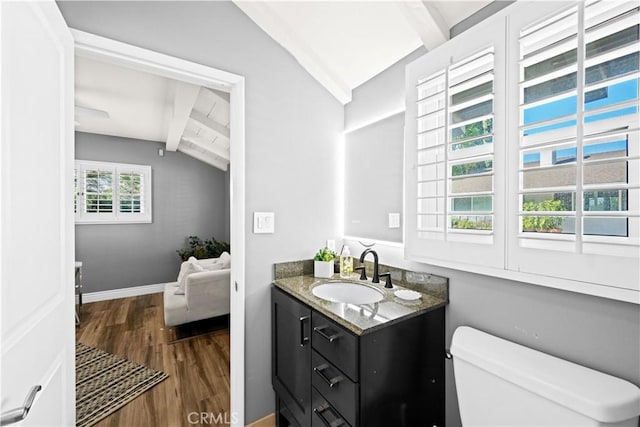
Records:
x=91, y=46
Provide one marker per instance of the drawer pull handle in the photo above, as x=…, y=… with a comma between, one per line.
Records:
x=326, y=407
x=320, y=331
x=330, y=381
x=303, y=338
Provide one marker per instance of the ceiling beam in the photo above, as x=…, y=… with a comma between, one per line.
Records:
x=216, y=127
x=203, y=157
x=219, y=100
x=183, y=102
x=263, y=15
x=208, y=146
x=425, y=18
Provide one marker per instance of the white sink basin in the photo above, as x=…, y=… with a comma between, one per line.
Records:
x=346, y=292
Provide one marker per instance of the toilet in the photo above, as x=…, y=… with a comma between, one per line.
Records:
x=500, y=383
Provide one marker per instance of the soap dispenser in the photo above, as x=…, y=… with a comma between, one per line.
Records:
x=346, y=263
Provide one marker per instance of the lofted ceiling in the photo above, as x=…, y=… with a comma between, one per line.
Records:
x=345, y=43
x=341, y=43
x=119, y=101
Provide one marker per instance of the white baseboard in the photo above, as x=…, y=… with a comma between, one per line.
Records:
x=122, y=293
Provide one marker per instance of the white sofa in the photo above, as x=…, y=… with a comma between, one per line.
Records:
x=206, y=291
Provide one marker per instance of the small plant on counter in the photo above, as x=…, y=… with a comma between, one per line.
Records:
x=323, y=263
x=325, y=254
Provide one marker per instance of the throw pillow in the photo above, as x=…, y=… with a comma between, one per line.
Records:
x=183, y=270
x=225, y=260
x=191, y=267
x=214, y=266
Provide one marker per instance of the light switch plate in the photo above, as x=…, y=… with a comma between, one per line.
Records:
x=264, y=222
x=394, y=220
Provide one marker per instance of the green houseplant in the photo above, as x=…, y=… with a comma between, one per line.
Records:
x=323, y=263
x=202, y=249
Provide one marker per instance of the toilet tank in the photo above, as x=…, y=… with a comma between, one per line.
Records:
x=500, y=383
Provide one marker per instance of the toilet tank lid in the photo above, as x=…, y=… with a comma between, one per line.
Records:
x=594, y=394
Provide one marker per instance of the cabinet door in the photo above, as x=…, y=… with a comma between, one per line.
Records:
x=291, y=354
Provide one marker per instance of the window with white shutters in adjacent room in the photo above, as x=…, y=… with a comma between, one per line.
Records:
x=112, y=192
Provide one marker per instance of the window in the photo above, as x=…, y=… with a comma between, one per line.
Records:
x=451, y=187
x=554, y=199
x=528, y=167
x=577, y=203
x=112, y=192
x=455, y=150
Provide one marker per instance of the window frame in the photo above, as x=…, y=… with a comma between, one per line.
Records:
x=614, y=275
x=114, y=217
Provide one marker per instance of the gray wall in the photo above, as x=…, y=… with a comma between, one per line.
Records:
x=293, y=127
x=379, y=96
x=189, y=198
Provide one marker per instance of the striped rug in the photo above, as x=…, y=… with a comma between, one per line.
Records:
x=105, y=383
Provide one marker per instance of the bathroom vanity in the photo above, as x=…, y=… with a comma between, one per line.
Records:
x=341, y=364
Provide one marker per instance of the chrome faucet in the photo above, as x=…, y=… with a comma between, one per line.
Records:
x=376, y=275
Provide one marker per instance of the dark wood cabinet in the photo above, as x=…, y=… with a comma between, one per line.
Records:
x=291, y=358
x=390, y=376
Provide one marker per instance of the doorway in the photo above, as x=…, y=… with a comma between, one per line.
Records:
x=106, y=50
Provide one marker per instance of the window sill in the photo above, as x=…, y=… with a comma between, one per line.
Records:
x=603, y=291
x=112, y=222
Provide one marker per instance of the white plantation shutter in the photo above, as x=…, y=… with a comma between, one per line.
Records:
x=131, y=192
x=522, y=148
x=610, y=148
x=450, y=149
x=578, y=159
x=98, y=191
x=112, y=192
x=470, y=162
x=430, y=164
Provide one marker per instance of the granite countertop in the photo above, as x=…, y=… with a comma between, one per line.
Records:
x=360, y=319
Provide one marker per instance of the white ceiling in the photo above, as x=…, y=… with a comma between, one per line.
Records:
x=345, y=43
x=342, y=44
x=119, y=101
x=123, y=93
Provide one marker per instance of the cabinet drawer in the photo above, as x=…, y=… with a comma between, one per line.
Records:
x=323, y=414
x=335, y=387
x=336, y=344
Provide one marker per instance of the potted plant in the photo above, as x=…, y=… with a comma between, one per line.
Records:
x=323, y=263
x=202, y=249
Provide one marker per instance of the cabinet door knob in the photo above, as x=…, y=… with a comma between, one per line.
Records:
x=19, y=414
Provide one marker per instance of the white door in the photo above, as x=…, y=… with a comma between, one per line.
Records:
x=36, y=216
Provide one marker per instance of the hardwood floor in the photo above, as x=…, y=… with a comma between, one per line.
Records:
x=197, y=390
